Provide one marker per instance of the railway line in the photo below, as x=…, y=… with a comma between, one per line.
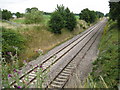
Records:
x=62, y=60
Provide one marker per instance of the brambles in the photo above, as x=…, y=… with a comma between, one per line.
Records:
x=10, y=40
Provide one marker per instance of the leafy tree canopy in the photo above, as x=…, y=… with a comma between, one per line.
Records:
x=34, y=16
x=6, y=14
x=115, y=11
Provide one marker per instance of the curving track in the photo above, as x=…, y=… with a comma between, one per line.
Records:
x=62, y=60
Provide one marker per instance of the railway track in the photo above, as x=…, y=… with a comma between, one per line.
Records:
x=62, y=66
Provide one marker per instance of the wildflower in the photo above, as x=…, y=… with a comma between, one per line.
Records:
x=36, y=51
x=18, y=86
x=19, y=72
x=41, y=66
x=15, y=70
x=9, y=53
x=35, y=70
x=24, y=61
x=9, y=75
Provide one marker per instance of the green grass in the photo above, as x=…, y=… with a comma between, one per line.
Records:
x=47, y=18
x=38, y=37
x=19, y=20
x=77, y=17
x=106, y=64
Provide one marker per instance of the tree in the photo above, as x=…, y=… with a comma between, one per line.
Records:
x=34, y=16
x=28, y=10
x=107, y=15
x=18, y=14
x=56, y=22
x=6, y=14
x=70, y=20
x=99, y=14
x=87, y=15
x=115, y=11
x=62, y=18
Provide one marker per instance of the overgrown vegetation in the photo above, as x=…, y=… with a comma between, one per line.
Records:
x=62, y=18
x=34, y=17
x=12, y=73
x=106, y=65
x=11, y=39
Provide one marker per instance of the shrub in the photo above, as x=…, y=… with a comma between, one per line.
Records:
x=56, y=22
x=11, y=39
x=88, y=16
x=62, y=18
x=70, y=20
x=35, y=16
x=6, y=14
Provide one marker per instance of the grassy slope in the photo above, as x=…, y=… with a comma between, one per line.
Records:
x=107, y=63
x=39, y=38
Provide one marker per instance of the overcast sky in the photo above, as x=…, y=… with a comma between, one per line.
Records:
x=49, y=5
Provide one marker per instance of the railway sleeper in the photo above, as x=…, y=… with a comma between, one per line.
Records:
x=60, y=79
x=54, y=86
x=69, y=67
x=67, y=72
x=57, y=82
x=64, y=74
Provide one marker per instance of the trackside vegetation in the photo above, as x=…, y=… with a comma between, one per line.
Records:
x=105, y=73
x=35, y=32
x=11, y=39
x=114, y=13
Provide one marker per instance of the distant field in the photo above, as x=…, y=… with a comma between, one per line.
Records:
x=19, y=20
x=46, y=19
x=77, y=17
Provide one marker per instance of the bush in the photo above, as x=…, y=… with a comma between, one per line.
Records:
x=88, y=16
x=70, y=20
x=56, y=23
x=62, y=18
x=6, y=14
x=35, y=16
x=11, y=39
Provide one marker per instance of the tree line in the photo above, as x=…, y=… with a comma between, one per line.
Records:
x=90, y=16
x=61, y=18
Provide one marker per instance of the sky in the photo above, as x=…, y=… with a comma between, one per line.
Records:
x=49, y=5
